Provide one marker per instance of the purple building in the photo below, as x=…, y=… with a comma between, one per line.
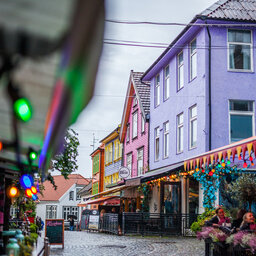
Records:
x=202, y=95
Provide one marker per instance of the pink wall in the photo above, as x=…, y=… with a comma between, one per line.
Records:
x=134, y=144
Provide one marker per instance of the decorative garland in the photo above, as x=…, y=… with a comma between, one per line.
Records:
x=210, y=176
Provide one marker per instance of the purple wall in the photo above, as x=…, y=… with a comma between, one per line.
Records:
x=225, y=85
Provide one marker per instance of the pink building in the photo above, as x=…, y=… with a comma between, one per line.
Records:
x=135, y=125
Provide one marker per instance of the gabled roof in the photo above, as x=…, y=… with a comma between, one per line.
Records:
x=85, y=190
x=142, y=91
x=97, y=150
x=63, y=185
x=239, y=10
x=232, y=9
x=111, y=136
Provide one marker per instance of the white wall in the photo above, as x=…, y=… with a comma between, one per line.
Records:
x=154, y=202
x=63, y=201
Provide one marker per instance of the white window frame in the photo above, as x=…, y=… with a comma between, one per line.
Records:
x=128, y=133
x=70, y=210
x=13, y=211
x=71, y=195
x=193, y=54
x=142, y=123
x=157, y=139
x=239, y=43
x=241, y=113
x=180, y=67
x=51, y=212
x=157, y=90
x=180, y=133
x=166, y=83
x=140, y=161
x=135, y=124
x=129, y=162
x=135, y=100
x=191, y=120
x=78, y=197
x=166, y=139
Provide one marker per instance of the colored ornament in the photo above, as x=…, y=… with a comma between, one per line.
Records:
x=210, y=173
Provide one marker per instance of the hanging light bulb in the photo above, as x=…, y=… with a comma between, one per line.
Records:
x=245, y=164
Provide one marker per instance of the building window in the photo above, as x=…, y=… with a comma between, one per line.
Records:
x=157, y=135
x=71, y=195
x=193, y=60
x=157, y=90
x=240, y=49
x=241, y=116
x=180, y=71
x=180, y=133
x=135, y=100
x=129, y=162
x=128, y=133
x=166, y=139
x=110, y=152
x=13, y=212
x=166, y=83
x=69, y=210
x=142, y=124
x=192, y=127
x=140, y=161
x=117, y=148
x=120, y=149
x=135, y=125
x=51, y=211
x=78, y=197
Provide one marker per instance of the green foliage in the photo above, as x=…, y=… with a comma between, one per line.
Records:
x=197, y=225
x=66, y=162
x=13, y=225
x=33, y=228
x=34, y=236
x=25, y=250
x=26, y=246
x=244, y=189
x=146, y=188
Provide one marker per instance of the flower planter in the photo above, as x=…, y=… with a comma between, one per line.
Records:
x=31, y=219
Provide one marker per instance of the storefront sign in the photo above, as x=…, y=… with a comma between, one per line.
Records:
x=124, y=172
x=94, y=222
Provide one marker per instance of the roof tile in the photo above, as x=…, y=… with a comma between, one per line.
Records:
x=143, y=90
x=49, y=194
x=232, y=9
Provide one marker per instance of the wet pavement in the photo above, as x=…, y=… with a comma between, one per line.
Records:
x=94, y=244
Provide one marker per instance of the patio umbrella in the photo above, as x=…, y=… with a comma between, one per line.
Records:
x=72, y=216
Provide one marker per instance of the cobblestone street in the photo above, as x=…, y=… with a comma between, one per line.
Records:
x=84, y=243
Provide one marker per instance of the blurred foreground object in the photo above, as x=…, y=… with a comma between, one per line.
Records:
x=34, y=34
x=76, y=75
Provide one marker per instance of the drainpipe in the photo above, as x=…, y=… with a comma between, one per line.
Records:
x=209, y=87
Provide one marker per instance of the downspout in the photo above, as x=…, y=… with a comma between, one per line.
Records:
x=209, y=87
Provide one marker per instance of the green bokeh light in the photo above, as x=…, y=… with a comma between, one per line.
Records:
x=33, y=155
x=22, y=109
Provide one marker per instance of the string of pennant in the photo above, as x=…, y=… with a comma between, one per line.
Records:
x=218, y=157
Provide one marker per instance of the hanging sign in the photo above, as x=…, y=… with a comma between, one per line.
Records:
x=124, y=172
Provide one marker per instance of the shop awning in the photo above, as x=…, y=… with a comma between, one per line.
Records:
x=107, y=192
x=158, y=173
x=238, y=149
x=112, y=200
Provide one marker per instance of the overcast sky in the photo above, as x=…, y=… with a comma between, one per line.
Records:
x=104, y=112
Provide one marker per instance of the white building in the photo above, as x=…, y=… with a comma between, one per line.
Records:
x=58, y=204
